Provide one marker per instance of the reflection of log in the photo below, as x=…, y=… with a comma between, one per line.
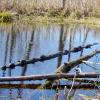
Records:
x=48, y=76
x=68, y=66
x=34, y=86
x=44, y=58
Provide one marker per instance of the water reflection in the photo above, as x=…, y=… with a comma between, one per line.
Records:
x=61, y=43
x=28, y=51
x=23, y=41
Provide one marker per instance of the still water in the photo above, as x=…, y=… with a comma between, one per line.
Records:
x=22, y=41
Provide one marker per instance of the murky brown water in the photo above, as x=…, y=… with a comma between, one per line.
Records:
x=23, y=41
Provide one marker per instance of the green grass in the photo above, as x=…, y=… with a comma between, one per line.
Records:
x=90, y=21
x=5, y=16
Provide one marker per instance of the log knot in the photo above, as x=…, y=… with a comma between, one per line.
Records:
x=33, y=60
x=4, y=68
x=12, y=66
x=77, y=49
x=42, y=57
x=65, y=63
x=23, y=62
x=88, y=46
x=66, y=51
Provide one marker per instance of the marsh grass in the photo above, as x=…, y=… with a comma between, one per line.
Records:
x=5, y=16
x=47, y=11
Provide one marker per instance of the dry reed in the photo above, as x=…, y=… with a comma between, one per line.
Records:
x=72, y=8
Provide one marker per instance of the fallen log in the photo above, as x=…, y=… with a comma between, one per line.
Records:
x=34, y=86
x=65, y=68
x=85, y=81
x=49, y=77
x=44, y=57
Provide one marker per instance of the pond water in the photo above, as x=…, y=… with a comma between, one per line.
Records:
x=24, y=41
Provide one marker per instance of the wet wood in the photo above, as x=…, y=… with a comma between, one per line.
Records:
x=65, y=68
x=86, y=81
x=48, y=57
x=48, y=76
x=68, y=66
x=60, y=87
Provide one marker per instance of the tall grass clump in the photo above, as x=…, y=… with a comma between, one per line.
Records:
x=5, y=17
x=67, y=8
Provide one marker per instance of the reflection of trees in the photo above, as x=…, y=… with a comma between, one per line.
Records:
x=6, y=53
x=69, y=42
x=12, y=40
x=70, y=38
x=26, y=57
x=19, y=94
x=86, y=31
x=66, y=32
x=9, y=34
x=27, y=53
x=61, y=44
x=6, y=49
x=71, y=32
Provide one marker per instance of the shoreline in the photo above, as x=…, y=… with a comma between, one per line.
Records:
x=89, y=21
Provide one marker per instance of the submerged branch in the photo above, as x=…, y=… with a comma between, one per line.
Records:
x=48, y=57
x=86, y=81
x=34, y=86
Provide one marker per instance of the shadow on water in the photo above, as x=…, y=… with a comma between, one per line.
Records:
x=23, y=41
